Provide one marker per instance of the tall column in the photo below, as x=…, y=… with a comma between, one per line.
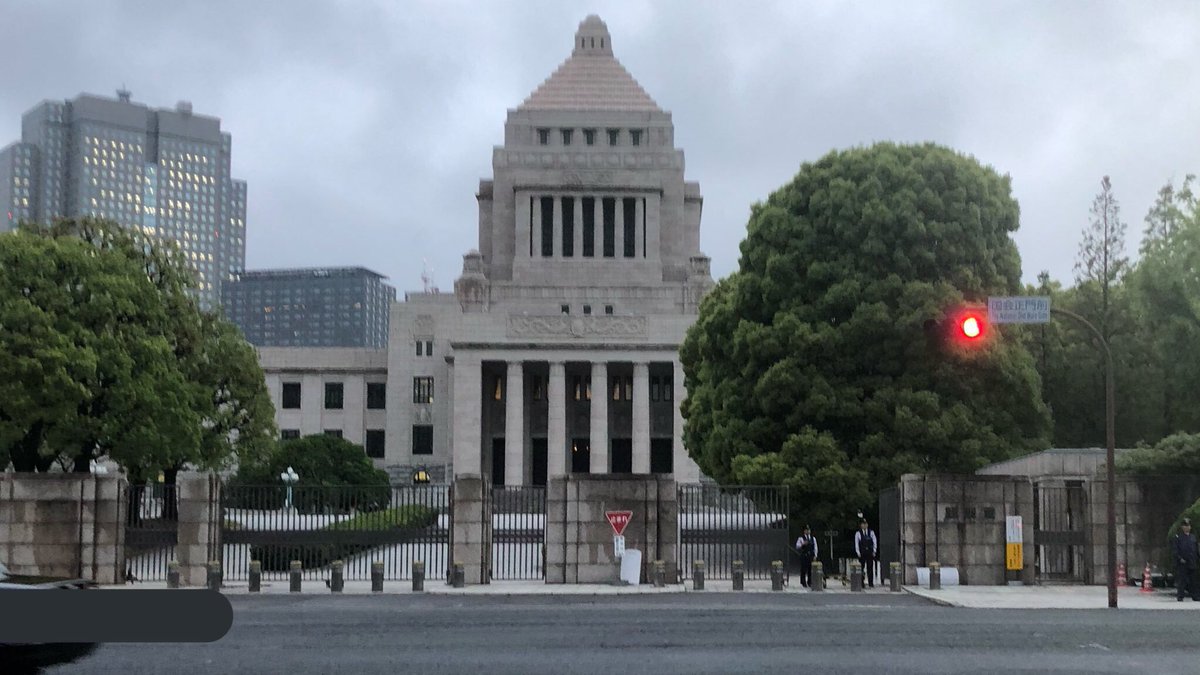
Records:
x=468, y=415
x=537, y=226
x=639, y=228
x=578, y=231
x=619, y=228
x=641, y=417
x=558, y=228
x=598, y=229
x=556, y=422
x=599, y=419
x=514, y=424
x=524, y=213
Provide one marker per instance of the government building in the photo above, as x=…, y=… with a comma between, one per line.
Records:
x=558, y=349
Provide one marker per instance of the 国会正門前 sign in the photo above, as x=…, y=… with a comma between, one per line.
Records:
x=1019, y=309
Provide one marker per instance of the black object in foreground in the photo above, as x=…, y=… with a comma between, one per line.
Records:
x=114, y=615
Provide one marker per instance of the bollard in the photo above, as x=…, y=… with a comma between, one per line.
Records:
x=894, y=576
x=777, y=575
x=935, y=577
x=856, y=576
x=173, y=574
x=337, y=577
x=817, y=583
x=739, y=575
x=214, y=575
x=418, y=576
x=297, y=569
x=255, y=576
x=660, y=574
x=460, y=575
x=698, y=575
x=377, y=576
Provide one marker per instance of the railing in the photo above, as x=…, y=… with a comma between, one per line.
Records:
x=396, y=525
x=518, y=532
x=151, y=531
x=721, y=524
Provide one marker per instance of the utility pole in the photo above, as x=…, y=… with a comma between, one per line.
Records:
x=1110, y=432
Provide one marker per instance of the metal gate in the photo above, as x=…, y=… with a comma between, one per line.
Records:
x=395, y=525
x=1060, y=530
x=721, y=524
x=518, y=532
x=151, y=530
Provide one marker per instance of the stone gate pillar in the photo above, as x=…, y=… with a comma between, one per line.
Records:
x=199, y=539
x=471, y=532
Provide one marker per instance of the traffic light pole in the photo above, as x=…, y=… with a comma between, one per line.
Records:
x=1110, y=405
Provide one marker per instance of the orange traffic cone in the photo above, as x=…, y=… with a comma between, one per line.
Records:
x=1121, y=580
x=1146, y=587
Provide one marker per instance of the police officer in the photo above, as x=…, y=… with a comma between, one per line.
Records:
x=806, y=546
x=1183, y=547
x=865, y=547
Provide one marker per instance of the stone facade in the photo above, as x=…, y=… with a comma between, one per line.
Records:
x=579, y=539
x=63, y=525
x=959, y=521
x=557, y=351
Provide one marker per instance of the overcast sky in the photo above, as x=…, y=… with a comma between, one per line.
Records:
x=363, y=128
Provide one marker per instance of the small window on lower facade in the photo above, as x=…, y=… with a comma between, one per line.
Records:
x=422, y=439
x=335, y=433
x=289, y=434
x=375, y=443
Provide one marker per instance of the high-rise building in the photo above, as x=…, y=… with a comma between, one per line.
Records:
x=320, y=307
x=164, y=171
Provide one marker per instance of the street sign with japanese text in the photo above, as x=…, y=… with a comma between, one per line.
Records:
x=618, y=520
x=1019, y=309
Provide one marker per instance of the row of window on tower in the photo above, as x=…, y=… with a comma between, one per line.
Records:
x=620, y=388
x=614, y=136
x=594, y=215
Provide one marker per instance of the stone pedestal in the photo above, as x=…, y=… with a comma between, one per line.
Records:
x=471, y=538
x=579, y=539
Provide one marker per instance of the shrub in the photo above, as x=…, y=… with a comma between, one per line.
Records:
x=335, y=477
x=410, y=518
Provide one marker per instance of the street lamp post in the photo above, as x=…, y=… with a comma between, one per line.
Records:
x=289, y=478
x=1110, y=433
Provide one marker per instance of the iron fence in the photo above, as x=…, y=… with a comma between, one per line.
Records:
x=518, y=532
x=720, y=524
x=1060, y=531
x=395, y=525
x=151, y=530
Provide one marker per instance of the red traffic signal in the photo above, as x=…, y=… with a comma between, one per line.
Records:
x=970, y=327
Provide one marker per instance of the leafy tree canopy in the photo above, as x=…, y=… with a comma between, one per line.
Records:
x=103, y=353
x=1175, y=455
x=811, y=366
x=320, y=460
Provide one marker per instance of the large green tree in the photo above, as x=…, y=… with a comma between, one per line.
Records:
x=104, y=353
x=812, y=365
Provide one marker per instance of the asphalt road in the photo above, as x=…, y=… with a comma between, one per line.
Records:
x=683, y=633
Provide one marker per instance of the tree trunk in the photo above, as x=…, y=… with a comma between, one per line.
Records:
x=25, y=453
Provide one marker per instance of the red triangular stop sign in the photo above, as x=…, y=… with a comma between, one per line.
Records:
x=618, y=520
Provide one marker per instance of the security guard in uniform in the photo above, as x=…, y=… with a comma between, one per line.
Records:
x=806, y=546
x=1183, y=547
x=866, y=545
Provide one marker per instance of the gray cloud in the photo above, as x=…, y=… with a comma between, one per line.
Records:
x=363, y=128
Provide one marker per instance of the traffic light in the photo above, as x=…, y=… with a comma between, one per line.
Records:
x=971, y=326
x=962, y=328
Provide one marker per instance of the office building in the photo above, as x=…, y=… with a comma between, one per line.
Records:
x=163, y=171
x=320, y=307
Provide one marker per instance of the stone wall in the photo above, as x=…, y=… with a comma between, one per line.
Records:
x=1145, y=510
x=63, y=525
x=959, y=521
x=579, y=539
